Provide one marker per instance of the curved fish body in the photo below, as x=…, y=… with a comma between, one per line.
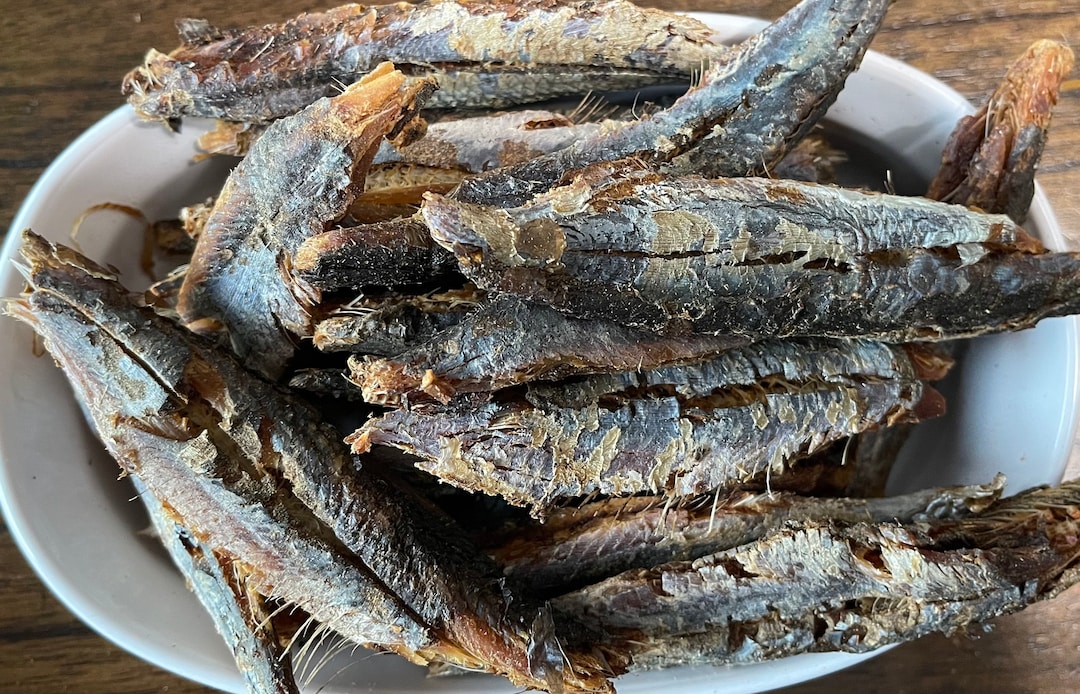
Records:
x=858, y=586
x=758, y=72
x=256, y=474
x=580, y=545
x=483, y=54
x=759, y=258
x=679, y=430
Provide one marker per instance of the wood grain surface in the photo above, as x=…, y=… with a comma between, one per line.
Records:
x=60, y=69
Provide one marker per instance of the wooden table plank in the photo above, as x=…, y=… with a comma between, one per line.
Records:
x=60, y=66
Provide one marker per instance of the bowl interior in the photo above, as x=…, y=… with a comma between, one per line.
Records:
x=1012, y=402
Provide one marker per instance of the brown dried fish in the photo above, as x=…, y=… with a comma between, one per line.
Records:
x=681, y=430
x=990, y=159
x=300, y=177
x=484, y=54
x=758, y=89
x=508, y=341
x=759, y=258
x=255, y=474
x=581, y=545
x=839, y=587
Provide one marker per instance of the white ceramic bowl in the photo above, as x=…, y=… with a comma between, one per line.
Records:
x=1013, y=403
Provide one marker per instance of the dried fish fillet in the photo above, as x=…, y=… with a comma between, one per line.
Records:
x=483, y=54
x=578, y=546
x=508, y=341
x=255, y=473
x=758, y=71
x=679, y=430
x=240, y=614
x=759, y=258
x=990, y=159
x=299, y=178
x=839, y=587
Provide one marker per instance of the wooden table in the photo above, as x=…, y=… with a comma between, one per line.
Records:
x=60, y=66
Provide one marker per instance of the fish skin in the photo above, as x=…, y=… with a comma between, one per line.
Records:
x=811, y=29
x=677, y=430
x=240, y=615
x=507, y=342
x=239, y=277
x=857, y=587
x=484, y=54
x=758, y=258
x=580, y=545
x=253, y=471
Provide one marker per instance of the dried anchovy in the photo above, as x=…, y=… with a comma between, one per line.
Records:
x=755, y=73
x=391, y=325
x=578, y=546
x=682, y=430
x=298, y=179
x=326, y=382
x=839, y=587
x=254, y=473
x=483, y=55
x=759, y=258
x=239, y=613
x=394, y=253
x=508, y=341
x=990, y=159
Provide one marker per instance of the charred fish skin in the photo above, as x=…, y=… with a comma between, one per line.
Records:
x=240, y=614
x=507, y=341
x=483, y=54
x=579, y=546
x=990, y=159
x=759, y=258
x=812, y=28
x=239, y=277
x=256, y=473
x=684, y=431
x=859, y=586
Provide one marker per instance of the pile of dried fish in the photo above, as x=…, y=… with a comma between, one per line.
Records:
x=610, y=384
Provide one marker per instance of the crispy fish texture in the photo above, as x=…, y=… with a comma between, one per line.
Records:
x=508, y=341
x=991, y=157
x=759, y=258
x=839, y=587
x=254, y=473
x=758, y=71
x=484, y=54
x=240, y=614
x=679, y=430
x=577, y=546
x=299, y=178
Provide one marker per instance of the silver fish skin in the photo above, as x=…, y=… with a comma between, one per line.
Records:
x=815, y=587
x=487, y=54
x=254, y=472
x=677, y=430
x=578, y=546
x=807, y=34
x=240, y=614
x=759, y=258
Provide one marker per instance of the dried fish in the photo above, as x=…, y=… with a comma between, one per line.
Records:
x=239, y=278
x=758, y=72
x=240, y=614
x=813, y=160
x=839, y=587
x=578, y=546
x=483, y=55
x=682, y=430
x=255, y=474
x=327, y=382
x=391, y=325
x=759, y=258
x=508, y=341
x=387, y=254
x=990, y=159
